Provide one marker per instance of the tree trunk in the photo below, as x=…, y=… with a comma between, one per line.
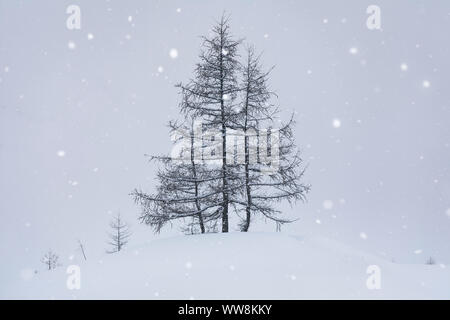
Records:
x=224, y=145
x=194, y=172
x=247, y=188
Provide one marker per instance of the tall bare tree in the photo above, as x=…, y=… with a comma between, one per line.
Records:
x=244, y=160
x=119, y=235
x=211, y=97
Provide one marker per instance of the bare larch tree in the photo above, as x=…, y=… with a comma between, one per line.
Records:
x=119, y=235
x=211, y=96
x=247, y=159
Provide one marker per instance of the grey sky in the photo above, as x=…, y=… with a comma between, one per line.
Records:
x=105, y=104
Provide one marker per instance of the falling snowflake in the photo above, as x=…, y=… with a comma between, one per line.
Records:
x=173, y=53
x=266, y=36
x=90, y=36
x=61, y=153
x=293, y=277
x=448, y=212
x=328, y=204
x=224, y=52
x=336, y=123
x=130, y=18
x=26, y=274
x=418, y=251
x=325, y=21
x=188, y=265
x=363, y=236
x=226, y=97
x=353, y=50
x=404, y=67
x=318, y=221
x=160, y=69
x=6, y=69
x=71, y=45
x=426, y=84
x=178, y=10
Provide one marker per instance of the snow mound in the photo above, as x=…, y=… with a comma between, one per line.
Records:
x=237, y=266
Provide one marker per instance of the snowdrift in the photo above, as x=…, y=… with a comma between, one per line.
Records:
x=237, y=266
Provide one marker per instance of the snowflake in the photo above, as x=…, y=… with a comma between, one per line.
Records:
x=363, y=236
x=336, y=123
x=130, y=18
x=404, y=67
x=61, y=153
x=71, y=45
x=90, y=36
x=224, y=52
x=426, y=84
x=26, y=274
x=418, y=251
x=353, y=50
x=318, y=221
x=328, y=204
x=173, y=53
x=160, y=69
x=188, y=265
x=448, y=212
x=178, y=10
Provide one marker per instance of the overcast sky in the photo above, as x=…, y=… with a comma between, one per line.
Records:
x=80, y=108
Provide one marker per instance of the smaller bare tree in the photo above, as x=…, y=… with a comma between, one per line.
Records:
x=120, y=234
x=50, y=259
x=430, y=261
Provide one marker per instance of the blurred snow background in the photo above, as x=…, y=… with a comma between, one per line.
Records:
x=80, y=108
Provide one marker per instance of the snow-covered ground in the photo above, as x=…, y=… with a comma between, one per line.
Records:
x=236, y=266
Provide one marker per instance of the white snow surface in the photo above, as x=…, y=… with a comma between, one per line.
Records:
x=236, y=266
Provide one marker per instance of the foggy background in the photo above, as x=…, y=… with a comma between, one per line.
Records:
x=78, y=113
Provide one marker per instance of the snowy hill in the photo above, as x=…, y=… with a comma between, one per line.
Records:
x=237, y=266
